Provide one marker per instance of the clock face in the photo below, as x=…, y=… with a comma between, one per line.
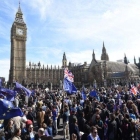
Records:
x=20, y=31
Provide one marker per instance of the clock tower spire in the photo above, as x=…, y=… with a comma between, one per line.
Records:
x=18, y=49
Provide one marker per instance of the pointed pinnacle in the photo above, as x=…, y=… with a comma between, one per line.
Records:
x=103, y=45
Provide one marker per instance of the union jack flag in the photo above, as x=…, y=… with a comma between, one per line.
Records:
x=68, y=74
x=134, y=90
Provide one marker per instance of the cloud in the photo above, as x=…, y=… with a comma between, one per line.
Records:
x=5, y=67
x=42, y=6
x=115, y=22
x=5, y=49
x=45, y=55
x=7, y=11
x=80, y=56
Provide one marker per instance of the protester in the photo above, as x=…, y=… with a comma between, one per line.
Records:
x=30, y=134
x=101, y=114
x=49, y=128
x=9, y=131
x=40, y=117
x=93, y=135
x=17, y=134
x=66, y=122
x=74, y=129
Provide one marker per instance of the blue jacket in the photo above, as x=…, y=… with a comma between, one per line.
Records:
x=54, y=112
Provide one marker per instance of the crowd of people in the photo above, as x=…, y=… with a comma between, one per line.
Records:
x=111, y=115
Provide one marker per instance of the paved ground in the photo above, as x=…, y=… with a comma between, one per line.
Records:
x=60, y=132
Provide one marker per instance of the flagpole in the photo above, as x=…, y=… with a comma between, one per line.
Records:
x=63, y=91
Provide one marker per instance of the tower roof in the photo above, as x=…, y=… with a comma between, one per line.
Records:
x=104, y=55
x=19, y=16
x=64, y=56
x=103, y=45
x=19, y=9
x=93, y=51
x=103, y=49
x=134, y=60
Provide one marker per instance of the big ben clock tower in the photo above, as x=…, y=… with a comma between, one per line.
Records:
x=18, y=49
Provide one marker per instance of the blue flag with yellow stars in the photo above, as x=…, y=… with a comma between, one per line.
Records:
x=7, y=110
x=10, y=94
x=22, y=90
x=93, y=93
x=2, y=96
x=83, y=93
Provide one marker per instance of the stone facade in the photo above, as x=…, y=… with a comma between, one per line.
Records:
x=113, y=72
x=80, y=72
x=37, y=74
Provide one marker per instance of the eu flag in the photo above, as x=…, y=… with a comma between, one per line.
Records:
x=33, y=92
x=93, y=93
x=69, y=86
x=10, y=94
x=21, y=89
x=83, y=93
x=2, y=96
x=7, y=110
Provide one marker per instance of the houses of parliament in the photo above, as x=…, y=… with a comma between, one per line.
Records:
x=99, y=70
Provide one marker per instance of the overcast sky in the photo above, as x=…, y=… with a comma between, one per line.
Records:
x=72, y=26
